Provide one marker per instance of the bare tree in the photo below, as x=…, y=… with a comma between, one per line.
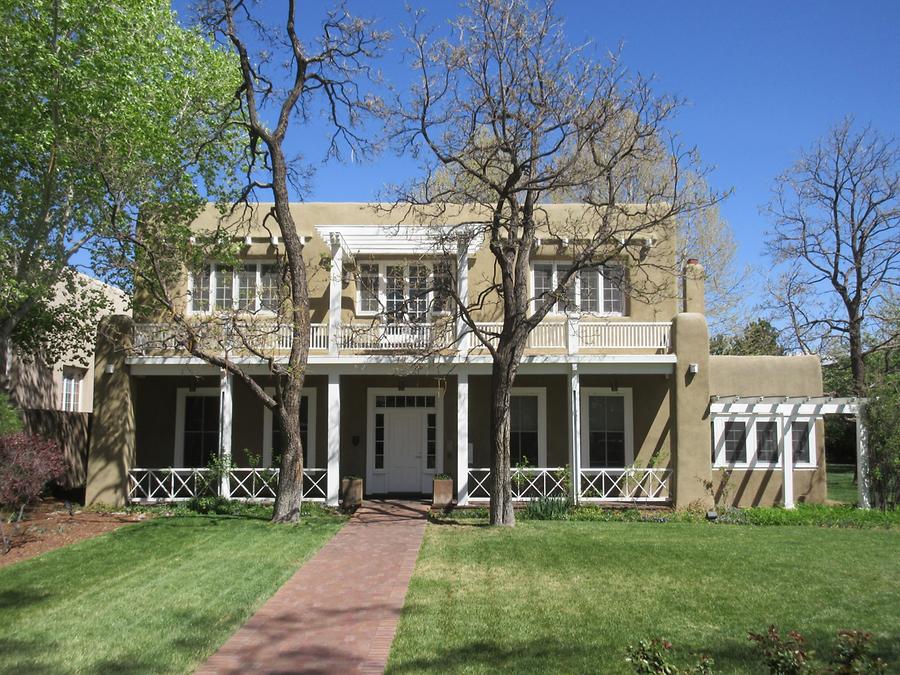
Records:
x=320, y=78
x=836, y=214
x=503, y=116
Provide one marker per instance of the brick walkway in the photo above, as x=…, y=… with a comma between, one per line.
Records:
x=339, y=612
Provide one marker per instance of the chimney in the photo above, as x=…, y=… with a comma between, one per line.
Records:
x=692, y=289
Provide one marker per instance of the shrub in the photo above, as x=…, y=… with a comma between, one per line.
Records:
x=547, y=508
x=652, y=657
x=852, y=655
x=10, y=420
x=27, y=463
x=784, y=655
x=883, y=423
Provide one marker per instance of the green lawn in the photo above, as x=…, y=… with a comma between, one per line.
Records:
x=156, y=597
x=841, y=488
x=570, y=596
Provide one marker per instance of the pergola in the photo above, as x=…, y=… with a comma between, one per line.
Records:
x=791, y=407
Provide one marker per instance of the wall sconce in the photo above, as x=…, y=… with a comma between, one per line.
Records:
x=694, y=368
x=110, y=368
x=274, y=240
x=248, y=240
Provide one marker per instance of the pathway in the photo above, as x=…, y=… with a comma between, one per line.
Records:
x=339, y=612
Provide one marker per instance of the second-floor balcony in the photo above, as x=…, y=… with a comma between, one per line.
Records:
x=572, y=336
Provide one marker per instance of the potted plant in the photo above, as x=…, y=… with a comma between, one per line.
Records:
x=351, y=492
x=442, y=495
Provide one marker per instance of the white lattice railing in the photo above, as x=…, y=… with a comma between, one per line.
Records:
x=526, y=484
x=624, y=335
x=147, y=486
x=394, y=336
x=625, y=485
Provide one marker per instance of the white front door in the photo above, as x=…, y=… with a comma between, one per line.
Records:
x=404, y=449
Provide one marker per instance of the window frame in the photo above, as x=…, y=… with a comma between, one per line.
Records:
x=753, y=462
x=602, y=284
x=381, y=291
x=584, y=421
x=541, y=394
x=71, y=400
x=257, y=307
x=181, y=395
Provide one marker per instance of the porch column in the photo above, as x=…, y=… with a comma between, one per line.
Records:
x=462, y=439
x=787, y=462
x=862, y=457
x=333, y=478
x=226, y=392
x=335, y=288
x=463, y=334
x=572, y=342
x=574, y=410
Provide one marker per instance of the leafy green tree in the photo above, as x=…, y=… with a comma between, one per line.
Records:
x=104, y=109
x=759, y=338
x=883, y=422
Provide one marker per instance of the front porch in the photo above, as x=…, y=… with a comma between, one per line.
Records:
x=195, y=439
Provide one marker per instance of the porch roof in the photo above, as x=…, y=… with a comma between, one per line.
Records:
x=734, y=404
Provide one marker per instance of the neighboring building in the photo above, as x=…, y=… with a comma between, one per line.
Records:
x=615, y=401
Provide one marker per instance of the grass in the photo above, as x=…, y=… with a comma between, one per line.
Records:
x=571, y=596
x=841, y=488
x=158, y=596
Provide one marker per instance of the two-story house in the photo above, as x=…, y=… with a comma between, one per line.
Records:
x=617, y=397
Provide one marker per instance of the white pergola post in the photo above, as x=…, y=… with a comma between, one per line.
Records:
x=333, y=478
x=335, y=288
x=787, y=461
x=574, y=410
x=463, y=334
x=226, y=409
x=462, y=439
x=862, y=458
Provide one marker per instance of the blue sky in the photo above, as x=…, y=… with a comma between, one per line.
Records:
x=763, y=80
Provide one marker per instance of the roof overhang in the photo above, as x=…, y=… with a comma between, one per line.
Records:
x=788, y=406
x=404, y=240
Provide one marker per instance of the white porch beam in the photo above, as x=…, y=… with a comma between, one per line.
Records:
x=862, y=459
x=335, y=289
x=333, y=478
x=463, y=334
x=226, y=410
x=462, y=439
x=574, y=410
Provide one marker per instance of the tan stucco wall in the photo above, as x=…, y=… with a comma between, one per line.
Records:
x=760, y=376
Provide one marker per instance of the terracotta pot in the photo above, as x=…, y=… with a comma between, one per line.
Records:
x=351, y=492
x=442, y=496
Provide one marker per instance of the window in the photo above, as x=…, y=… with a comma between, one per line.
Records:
x=767, y=442
x=277, y=446
x=201, y=430
x=606, y=432
x=597, y=290
x=431, y=450
x=251, y=287
x=379, y=440
x=523, y=434
x=403, y=292
x=71, y=394
x=800, y=433
x=404, y=401
x=735, y=442
x=200, y=290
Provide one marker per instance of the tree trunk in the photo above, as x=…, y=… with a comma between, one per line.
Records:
x=857, y=363
x=502, y=376
x=289, y=497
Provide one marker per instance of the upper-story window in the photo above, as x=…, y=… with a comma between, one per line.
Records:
x=403, y=291
x=595, y=290
x=250, y=287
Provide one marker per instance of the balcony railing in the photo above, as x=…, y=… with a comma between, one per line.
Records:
x=572, y=336
x=149, y=486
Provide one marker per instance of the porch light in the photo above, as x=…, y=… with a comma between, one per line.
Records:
x=274, y=240
x=248, y=240
x=694, y=368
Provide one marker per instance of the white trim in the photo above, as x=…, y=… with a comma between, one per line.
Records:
x=541, y=394
x=463, y=452
x=396, y=240
x=268, y=429
x=180, y=395
x=626, y=394
x=378, y=478
x=784, y=433
x=554, y=276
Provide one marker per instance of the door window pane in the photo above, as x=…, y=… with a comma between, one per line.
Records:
x=613, y=280
x=766, y=441
x=543, y=280
x=431, y=454
x=394, y=292
x=247, y=288
x=417, y=305
x=270, y=288
x=523, y=434
x=589, y=280
x=368, y=288
x=606, y=431
x=224, y=287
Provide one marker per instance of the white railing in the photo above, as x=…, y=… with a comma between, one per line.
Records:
x=545, y=336
x=148, y=486
x=625, y=485
x=526, y=484
x=263, y=335
x=597, y=485
x=318, y=337
x=625, y=335
x=396, y=336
